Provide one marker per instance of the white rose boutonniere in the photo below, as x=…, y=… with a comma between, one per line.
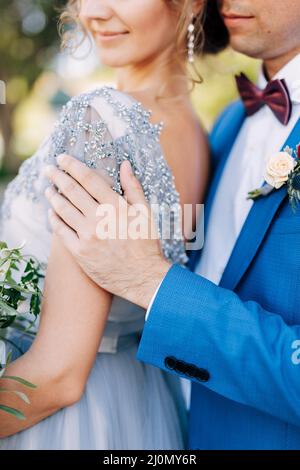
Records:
x=282, y=169
x=278, y=169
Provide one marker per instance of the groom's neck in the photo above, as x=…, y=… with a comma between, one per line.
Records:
x=274, y=65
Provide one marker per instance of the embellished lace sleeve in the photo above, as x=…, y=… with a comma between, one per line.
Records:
x=102, y=129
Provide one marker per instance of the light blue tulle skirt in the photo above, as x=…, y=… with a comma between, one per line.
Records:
x=126, y=405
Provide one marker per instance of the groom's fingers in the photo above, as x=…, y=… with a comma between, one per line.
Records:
x=66, y=234
x=93, y=183
x=65, y=210
x=132, y=188
x=71, y=190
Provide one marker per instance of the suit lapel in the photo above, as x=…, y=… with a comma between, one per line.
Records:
x=255, y=228
x=251, y=237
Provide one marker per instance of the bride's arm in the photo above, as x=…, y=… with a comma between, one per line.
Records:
x=74, y=314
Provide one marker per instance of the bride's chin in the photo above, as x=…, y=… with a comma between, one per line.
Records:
x=108, y=60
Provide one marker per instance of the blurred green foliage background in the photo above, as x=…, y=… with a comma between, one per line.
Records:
x=40, y=79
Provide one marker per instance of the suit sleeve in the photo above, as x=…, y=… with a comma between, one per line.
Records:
x=200, y=331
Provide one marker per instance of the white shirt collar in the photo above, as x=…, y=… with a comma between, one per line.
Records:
x=291, y=74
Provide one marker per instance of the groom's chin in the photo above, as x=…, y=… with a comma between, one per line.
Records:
x=247, y=45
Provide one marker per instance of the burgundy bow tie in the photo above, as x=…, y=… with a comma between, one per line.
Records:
x=275, y=95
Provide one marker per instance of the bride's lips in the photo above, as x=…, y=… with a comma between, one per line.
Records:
x=106, y=36
x=235, y=19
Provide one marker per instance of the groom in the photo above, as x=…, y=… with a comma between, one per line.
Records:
x=232, y=326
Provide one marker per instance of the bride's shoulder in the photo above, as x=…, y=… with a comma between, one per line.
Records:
x=100, y=98
x=109, y=106
x=120, y=112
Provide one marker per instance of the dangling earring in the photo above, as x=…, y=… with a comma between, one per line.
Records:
x=191, y=41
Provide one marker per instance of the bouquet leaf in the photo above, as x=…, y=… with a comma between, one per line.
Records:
x=21, y=395
x=12, y=411
x=21, y=381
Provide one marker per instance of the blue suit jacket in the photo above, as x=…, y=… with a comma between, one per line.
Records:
x=239, y=342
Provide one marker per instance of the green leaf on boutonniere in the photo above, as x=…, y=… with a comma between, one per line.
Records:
x=256, y=194
x=261, y=192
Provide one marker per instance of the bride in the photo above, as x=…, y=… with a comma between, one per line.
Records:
x=91, y=392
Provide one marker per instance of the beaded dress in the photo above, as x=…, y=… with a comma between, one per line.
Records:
x=126, y=404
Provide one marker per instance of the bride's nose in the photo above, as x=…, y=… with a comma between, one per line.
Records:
x=99, y=9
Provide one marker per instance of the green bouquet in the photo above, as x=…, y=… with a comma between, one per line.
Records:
x=19, y=283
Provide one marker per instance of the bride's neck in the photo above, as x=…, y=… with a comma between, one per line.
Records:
x=156, y=77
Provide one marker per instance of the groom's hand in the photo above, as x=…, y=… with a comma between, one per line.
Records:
x=98, y=227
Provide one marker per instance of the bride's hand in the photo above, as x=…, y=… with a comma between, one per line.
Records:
x=120, y=259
